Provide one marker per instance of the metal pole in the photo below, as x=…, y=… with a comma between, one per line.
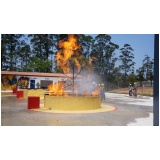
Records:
x=156, y=81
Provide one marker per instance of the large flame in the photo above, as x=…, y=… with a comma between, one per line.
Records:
x=57, y=89
x=70, y=51
x=67, y=57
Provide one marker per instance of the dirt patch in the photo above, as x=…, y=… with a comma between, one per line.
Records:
x=145, y=91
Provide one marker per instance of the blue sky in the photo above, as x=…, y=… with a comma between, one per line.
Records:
x=141, y=43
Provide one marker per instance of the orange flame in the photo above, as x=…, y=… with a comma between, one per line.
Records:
x=65, y=57
x=96, y=92
x=69, y=49
x=57, y=89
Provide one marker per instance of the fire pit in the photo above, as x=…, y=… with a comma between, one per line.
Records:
x=72, y=103
x=71, y=62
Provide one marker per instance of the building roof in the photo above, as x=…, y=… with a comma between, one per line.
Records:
x=36, y=74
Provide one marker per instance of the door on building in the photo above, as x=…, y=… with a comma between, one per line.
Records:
x=32, y=83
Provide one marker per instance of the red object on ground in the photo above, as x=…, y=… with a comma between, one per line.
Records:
x=14, y=90
x=33, y=102
x=19, y=94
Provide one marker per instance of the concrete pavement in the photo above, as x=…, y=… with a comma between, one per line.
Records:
x=130, y=111
x=137, y=101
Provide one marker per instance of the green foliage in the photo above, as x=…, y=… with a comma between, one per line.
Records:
x=140, y=75
x=103, y=49
x=132, y=78
x=146, y=72
x=42, y=45
x=10, y=49
x=148, y=65
x=38, y=85
x=39, y=65
x=24, y=56
x=86, y=43
x=126, y=59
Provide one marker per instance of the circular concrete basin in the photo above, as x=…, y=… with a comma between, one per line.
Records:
x=72, y=103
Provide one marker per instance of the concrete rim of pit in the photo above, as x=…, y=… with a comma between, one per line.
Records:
x=104, y=108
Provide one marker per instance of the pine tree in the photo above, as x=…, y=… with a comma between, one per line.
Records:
x=9, y=51
x=103, y=49
x=86, y=43
x=148, y=65
x=42, y=49
x=140, y=75
x=126, y=58
x=42, y=45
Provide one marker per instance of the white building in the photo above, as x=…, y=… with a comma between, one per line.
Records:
x=11, y=79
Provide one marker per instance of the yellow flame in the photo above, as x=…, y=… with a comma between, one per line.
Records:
x=69, y=48
x=57, y=89
x=96, y=92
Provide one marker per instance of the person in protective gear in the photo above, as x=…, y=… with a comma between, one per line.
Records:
x=130, y=90
x=102, y=91
x=135, y=89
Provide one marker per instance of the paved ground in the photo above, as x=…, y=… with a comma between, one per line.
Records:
x=138, y=110
x=130, y=111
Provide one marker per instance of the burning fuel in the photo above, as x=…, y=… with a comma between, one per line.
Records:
x=69, y=49
x=68, y=59
x=57, y=89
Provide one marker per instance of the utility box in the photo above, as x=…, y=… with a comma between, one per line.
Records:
x=19, y=94
x=33, y=102
x=14, y=90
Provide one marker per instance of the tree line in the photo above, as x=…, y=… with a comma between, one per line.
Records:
x=36, y=53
